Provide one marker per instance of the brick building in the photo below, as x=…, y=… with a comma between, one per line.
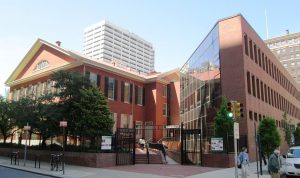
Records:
x=233, y=61
x=146, y=100
x=287, y=50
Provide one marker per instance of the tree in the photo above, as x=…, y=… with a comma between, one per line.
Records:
x=95, y=117
x=6, y=121
x=269, y=135
x=24, y=112
x=297, y=135
x=68, y=86
x=223, y=124
x=287, y=129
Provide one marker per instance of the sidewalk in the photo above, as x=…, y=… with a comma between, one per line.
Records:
x=230, y=173
x=72, y=171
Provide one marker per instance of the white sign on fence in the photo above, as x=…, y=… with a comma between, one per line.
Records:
x=106, y=143
x=217, y=144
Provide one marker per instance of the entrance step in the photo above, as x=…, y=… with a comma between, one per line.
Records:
x=153, y=159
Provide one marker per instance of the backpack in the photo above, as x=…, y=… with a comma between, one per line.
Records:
x=241, y=159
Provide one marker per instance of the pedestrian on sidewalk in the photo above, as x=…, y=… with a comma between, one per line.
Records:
x=273, y=165
x=244, y=161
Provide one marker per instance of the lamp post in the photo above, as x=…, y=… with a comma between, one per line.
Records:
x=63, y=124
x=26, y=128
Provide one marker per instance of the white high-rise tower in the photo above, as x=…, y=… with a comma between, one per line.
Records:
x=108, y=42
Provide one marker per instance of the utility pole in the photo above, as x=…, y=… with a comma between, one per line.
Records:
x=26, y=128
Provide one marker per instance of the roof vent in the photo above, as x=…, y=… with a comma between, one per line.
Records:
x=58, y=43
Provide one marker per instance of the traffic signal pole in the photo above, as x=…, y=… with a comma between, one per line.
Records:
x=235, y=139
x=235, y=110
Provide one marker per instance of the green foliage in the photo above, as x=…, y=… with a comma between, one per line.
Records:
x=95, y=118
x=297, y=135
x=6, y=121
x=287, y=129
x=75, y=100
x=269, y=135
x=223, y=124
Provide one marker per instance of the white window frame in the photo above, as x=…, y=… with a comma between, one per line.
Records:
x=111, y=94
x=126, y=92
x=165, y=109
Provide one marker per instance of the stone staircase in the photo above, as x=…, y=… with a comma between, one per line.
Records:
x=153, y=159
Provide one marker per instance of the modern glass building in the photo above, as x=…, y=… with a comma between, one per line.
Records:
x=233, y=61
x=200, y=87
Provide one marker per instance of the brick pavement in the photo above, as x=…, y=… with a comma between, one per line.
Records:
x=165, y=170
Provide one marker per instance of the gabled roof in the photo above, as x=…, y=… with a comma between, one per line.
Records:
x=33, y=50
x=81, y=59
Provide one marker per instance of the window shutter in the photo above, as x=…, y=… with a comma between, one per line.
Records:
x=116, y=90
x=131, y=92
x=136, y=94
x=98, y=80
x=122, y=90
x=144, y=96
x=106, y=87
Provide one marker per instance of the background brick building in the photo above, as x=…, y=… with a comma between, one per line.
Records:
x=148, y=101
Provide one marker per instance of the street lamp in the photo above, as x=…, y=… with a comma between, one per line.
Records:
x=63, y=124
x=26, y=128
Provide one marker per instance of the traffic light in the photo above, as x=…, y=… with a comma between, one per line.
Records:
x=230, y=109
x=239, y=109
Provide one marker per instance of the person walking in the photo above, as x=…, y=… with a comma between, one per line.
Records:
x=244, y=161
x=273, y=165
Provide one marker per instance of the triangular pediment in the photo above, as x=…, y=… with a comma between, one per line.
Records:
x=42, y=57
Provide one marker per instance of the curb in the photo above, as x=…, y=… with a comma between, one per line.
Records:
x=43, y=174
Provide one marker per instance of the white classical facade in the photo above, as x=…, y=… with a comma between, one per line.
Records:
x=108, y=42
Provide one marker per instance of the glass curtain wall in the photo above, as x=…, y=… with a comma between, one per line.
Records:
x=200, y=90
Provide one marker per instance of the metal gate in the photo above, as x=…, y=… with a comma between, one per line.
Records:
x=125, y=146
x=191, y=149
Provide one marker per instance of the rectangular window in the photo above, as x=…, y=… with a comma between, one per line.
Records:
x=251, y=51
x=139, y=95
x=246, y=45
x=263, y=60
x=269, y=96
x=267, y=68
x=255, y=54
x=126, y=121
x=253, y=86
x=259, y=58
x=165, y=92
x=126, y=92
x=257, y=87
x=251, y=115
x=248, y=82
x=93, y=78
x=266, y=94
x=111, y=88
x=49, y=87
x=262, y=90
x=165, y=109
x=114, y=117
x=255, y=116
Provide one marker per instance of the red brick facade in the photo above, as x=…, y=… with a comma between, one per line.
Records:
x=150, y=111
x=251, y=74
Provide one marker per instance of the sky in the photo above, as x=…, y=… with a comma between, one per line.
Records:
x=174, y=27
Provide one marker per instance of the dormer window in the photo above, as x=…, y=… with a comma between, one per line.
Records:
x=41, y=65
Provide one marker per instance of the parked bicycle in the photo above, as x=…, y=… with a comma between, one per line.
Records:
x=55, y=161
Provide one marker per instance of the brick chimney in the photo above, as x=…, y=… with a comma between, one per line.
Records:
x=58, y=43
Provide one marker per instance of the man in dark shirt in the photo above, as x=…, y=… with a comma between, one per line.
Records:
x=274, y=164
